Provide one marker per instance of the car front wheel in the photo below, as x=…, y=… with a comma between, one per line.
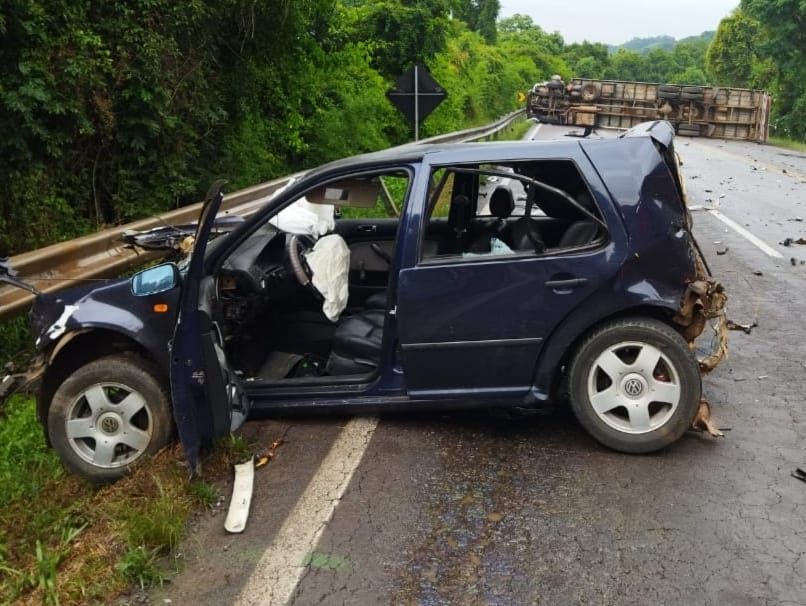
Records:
x=635, y=385
x=109, y=415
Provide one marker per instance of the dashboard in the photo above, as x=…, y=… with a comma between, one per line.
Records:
x=255, y=273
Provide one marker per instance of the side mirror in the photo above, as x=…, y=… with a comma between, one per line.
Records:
x=155, y=280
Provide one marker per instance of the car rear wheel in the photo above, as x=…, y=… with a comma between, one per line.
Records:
x=635, y=385
x=109, y=415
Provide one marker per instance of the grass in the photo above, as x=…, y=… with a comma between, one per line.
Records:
x=799, y=146
x=516, y=130
x=64, y=541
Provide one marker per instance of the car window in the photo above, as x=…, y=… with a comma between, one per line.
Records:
x=509, y=209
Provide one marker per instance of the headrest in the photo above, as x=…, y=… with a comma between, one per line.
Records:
x=502, y=202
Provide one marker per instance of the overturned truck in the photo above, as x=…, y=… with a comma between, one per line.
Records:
x=694, y=111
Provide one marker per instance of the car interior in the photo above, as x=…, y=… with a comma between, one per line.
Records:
x=270, y=315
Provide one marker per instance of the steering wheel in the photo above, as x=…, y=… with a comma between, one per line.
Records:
x=295, y=247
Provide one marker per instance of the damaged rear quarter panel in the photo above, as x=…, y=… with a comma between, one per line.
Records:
x=649, y=202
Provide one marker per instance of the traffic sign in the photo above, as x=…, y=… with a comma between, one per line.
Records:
x=416, y=94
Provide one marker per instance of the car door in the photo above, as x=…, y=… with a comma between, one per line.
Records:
x=208, y=399
x=474, y=325
x=372, y=248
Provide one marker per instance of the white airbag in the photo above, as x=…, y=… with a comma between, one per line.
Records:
x=305, y=218
x=329, y=261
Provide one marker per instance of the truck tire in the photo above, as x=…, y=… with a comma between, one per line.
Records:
x=635, y=385
x=590, y=91
x=667, y=91
x=692, y=93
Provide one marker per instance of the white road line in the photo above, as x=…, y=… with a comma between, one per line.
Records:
x=281, y=567
x=763, y=246
x=532, y=132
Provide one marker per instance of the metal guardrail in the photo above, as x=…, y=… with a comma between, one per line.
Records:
x=103, y=254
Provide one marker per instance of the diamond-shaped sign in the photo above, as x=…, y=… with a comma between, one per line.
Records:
x=416, y=94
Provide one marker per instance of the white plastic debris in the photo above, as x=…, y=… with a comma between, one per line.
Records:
x=329, y=261
x=305, y=218
x=238, y=511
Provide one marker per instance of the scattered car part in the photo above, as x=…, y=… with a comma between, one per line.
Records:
x=702, y=421
x=238, y=512
x=747, y=328
x=173, y=237
x=9, y=276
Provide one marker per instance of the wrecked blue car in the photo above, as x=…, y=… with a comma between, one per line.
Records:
x=513, y=274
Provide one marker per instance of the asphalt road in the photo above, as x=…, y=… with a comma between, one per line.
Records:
x=470, y=508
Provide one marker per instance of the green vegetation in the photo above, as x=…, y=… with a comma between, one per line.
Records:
x=113, y=111
x=798, y=146
x=65, y=542
x=763, y=45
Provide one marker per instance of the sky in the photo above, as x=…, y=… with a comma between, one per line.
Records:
x=617, y=21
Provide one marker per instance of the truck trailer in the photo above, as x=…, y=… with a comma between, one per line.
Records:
x=694, y=111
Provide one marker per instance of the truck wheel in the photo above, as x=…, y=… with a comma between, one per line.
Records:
x=635, y=385
x=692, y=95
x=108, y=416
x=590, y=91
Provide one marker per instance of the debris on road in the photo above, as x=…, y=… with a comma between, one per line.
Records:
x=722, y=251
x=702, y=421
x=791, y=241
x=747, y=328
x=799, y=474
x=241, y=497
x=262, y=457
x=758, y=272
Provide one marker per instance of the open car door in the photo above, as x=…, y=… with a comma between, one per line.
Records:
x=208, y=398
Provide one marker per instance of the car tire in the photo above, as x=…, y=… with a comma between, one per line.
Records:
x=621, y=398
x=108, y=416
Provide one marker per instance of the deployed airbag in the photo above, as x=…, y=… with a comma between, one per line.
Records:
x=329, y=261
x=305, y=218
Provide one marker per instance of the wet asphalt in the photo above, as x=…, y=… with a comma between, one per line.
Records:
x=477, y=508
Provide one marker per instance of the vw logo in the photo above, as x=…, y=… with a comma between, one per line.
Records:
x=109, y=425
x=633, y=387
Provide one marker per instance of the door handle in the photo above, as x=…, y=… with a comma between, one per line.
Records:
x=568, y=284
x=367, y=228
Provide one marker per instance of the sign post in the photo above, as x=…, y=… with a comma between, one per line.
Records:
x=416, y=94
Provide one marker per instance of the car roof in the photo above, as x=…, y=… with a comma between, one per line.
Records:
x=415, y=152
x=660, y=131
